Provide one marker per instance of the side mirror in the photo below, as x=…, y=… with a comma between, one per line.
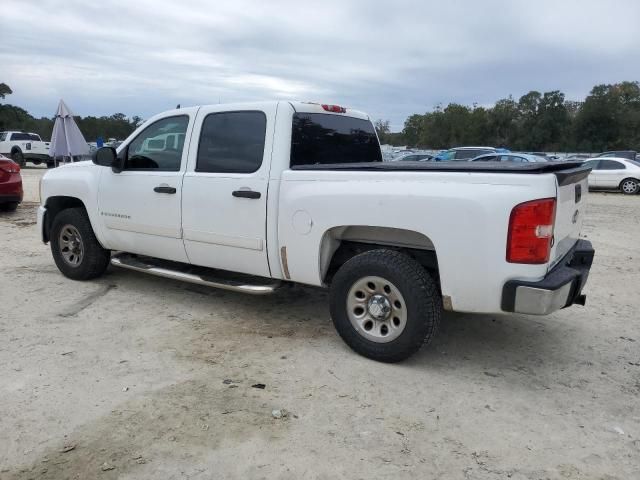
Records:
x=107, y=157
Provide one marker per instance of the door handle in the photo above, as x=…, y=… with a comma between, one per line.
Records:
x=164, y=189
x=246, y=194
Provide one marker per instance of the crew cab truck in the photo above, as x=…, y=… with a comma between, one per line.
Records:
x=250, y=197
x=24, y=147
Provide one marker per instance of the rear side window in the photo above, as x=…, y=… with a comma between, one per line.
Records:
x=320, y=139
x=3, y=136
x=610, y=165
x=231, y=142
x=20, y=136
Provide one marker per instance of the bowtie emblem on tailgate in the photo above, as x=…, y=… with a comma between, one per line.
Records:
x=578, y=193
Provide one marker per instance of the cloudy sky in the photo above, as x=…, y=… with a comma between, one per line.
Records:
x=390, y=58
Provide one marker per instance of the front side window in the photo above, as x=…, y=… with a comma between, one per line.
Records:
x=159, y=146
x=611, y=165
x=232, y=142
x=321, y=139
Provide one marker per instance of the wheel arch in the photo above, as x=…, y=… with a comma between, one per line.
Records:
x=339, y=244
x=54, y=205
x=637, y=180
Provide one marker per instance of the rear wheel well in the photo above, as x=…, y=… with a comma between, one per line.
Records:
x=54, y=206
x=628, y=178
x=349, y=249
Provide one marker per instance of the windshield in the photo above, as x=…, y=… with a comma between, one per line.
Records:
x=319, y=138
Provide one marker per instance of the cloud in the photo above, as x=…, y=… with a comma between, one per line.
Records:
x=390, y=59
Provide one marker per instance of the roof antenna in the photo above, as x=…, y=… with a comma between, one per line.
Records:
x=177, y=106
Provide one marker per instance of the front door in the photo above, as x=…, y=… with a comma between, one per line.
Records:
x=224, y=201
x=140, y=206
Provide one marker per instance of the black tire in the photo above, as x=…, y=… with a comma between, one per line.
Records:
x=9, y=206
x=94, y=259
x=421, y=296
x=630, y=186
x=36, y=162
x=51, y=165
x=18, y=157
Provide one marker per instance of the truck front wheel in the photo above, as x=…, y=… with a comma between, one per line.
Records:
x=74, y=246
x=385, y=305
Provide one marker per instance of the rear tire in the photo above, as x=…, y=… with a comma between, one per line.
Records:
x=385, y=305
x=630, y=186
x=9, y=206
x=75, y=248
x=18, y=157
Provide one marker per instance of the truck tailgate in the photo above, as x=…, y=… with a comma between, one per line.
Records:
x=571, y=204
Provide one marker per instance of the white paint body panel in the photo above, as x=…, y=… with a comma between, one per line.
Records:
x=463, y=216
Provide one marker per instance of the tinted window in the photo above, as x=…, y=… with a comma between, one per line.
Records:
x=158, y=147
x=3, y=136
x=592, y=163
x=319, y=138
x=610, y=165
x=20, y=136
x=232, y=142
x=488, y=158
x=467, y=154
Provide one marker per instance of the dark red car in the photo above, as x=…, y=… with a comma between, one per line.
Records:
x=10, y=184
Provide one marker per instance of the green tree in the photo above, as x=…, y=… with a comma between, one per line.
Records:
x=5, y=90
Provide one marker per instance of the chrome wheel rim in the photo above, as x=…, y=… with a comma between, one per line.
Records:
x=629, y=186
x=376, y=309
x=71, y=246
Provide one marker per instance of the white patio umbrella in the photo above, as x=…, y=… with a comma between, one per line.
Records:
x=67, y=139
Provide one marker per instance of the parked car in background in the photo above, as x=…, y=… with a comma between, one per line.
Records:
x=628, y=154
x=465, y=153
x=611, y=173
x=23, y=147
x=10, y=184
x=508, y=157
x=413, y=157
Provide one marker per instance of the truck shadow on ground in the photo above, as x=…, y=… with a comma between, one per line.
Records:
x=493, y=341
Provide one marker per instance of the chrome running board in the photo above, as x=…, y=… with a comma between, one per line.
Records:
x=198, y=275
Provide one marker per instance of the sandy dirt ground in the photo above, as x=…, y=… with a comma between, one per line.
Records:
x=132, y=376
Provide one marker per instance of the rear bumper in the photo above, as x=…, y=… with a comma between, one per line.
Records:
x=10, y=198
x=560, y=288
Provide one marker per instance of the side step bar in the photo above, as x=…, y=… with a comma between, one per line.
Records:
x=197, y=275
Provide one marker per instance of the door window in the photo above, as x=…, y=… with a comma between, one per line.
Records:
x=231, y=142
x=593, y=164
x=159, y=146
x=610, y=165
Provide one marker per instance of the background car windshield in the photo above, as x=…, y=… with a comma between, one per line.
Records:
x=319, y=138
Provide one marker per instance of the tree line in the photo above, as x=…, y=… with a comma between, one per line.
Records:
x=117, y=126
x=607, y=119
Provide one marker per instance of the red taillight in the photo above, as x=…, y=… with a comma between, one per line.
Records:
x=531, y=231
x=334, y=108
x=9, y=166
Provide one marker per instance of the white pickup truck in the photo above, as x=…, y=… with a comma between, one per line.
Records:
x=250, y=197
x=22, y=147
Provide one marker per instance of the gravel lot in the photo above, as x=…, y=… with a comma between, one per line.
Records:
x=132, y=376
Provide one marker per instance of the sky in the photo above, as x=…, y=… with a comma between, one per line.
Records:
x=390, y=59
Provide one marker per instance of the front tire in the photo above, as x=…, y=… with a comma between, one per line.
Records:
x=630, y=186
x=385, y=305
x=75, y=248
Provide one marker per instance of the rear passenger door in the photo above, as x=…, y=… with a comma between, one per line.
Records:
x=224, y=200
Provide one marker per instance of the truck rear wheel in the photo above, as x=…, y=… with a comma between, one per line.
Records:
x=18, y=157
x=385, y=305
x=74, y=246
